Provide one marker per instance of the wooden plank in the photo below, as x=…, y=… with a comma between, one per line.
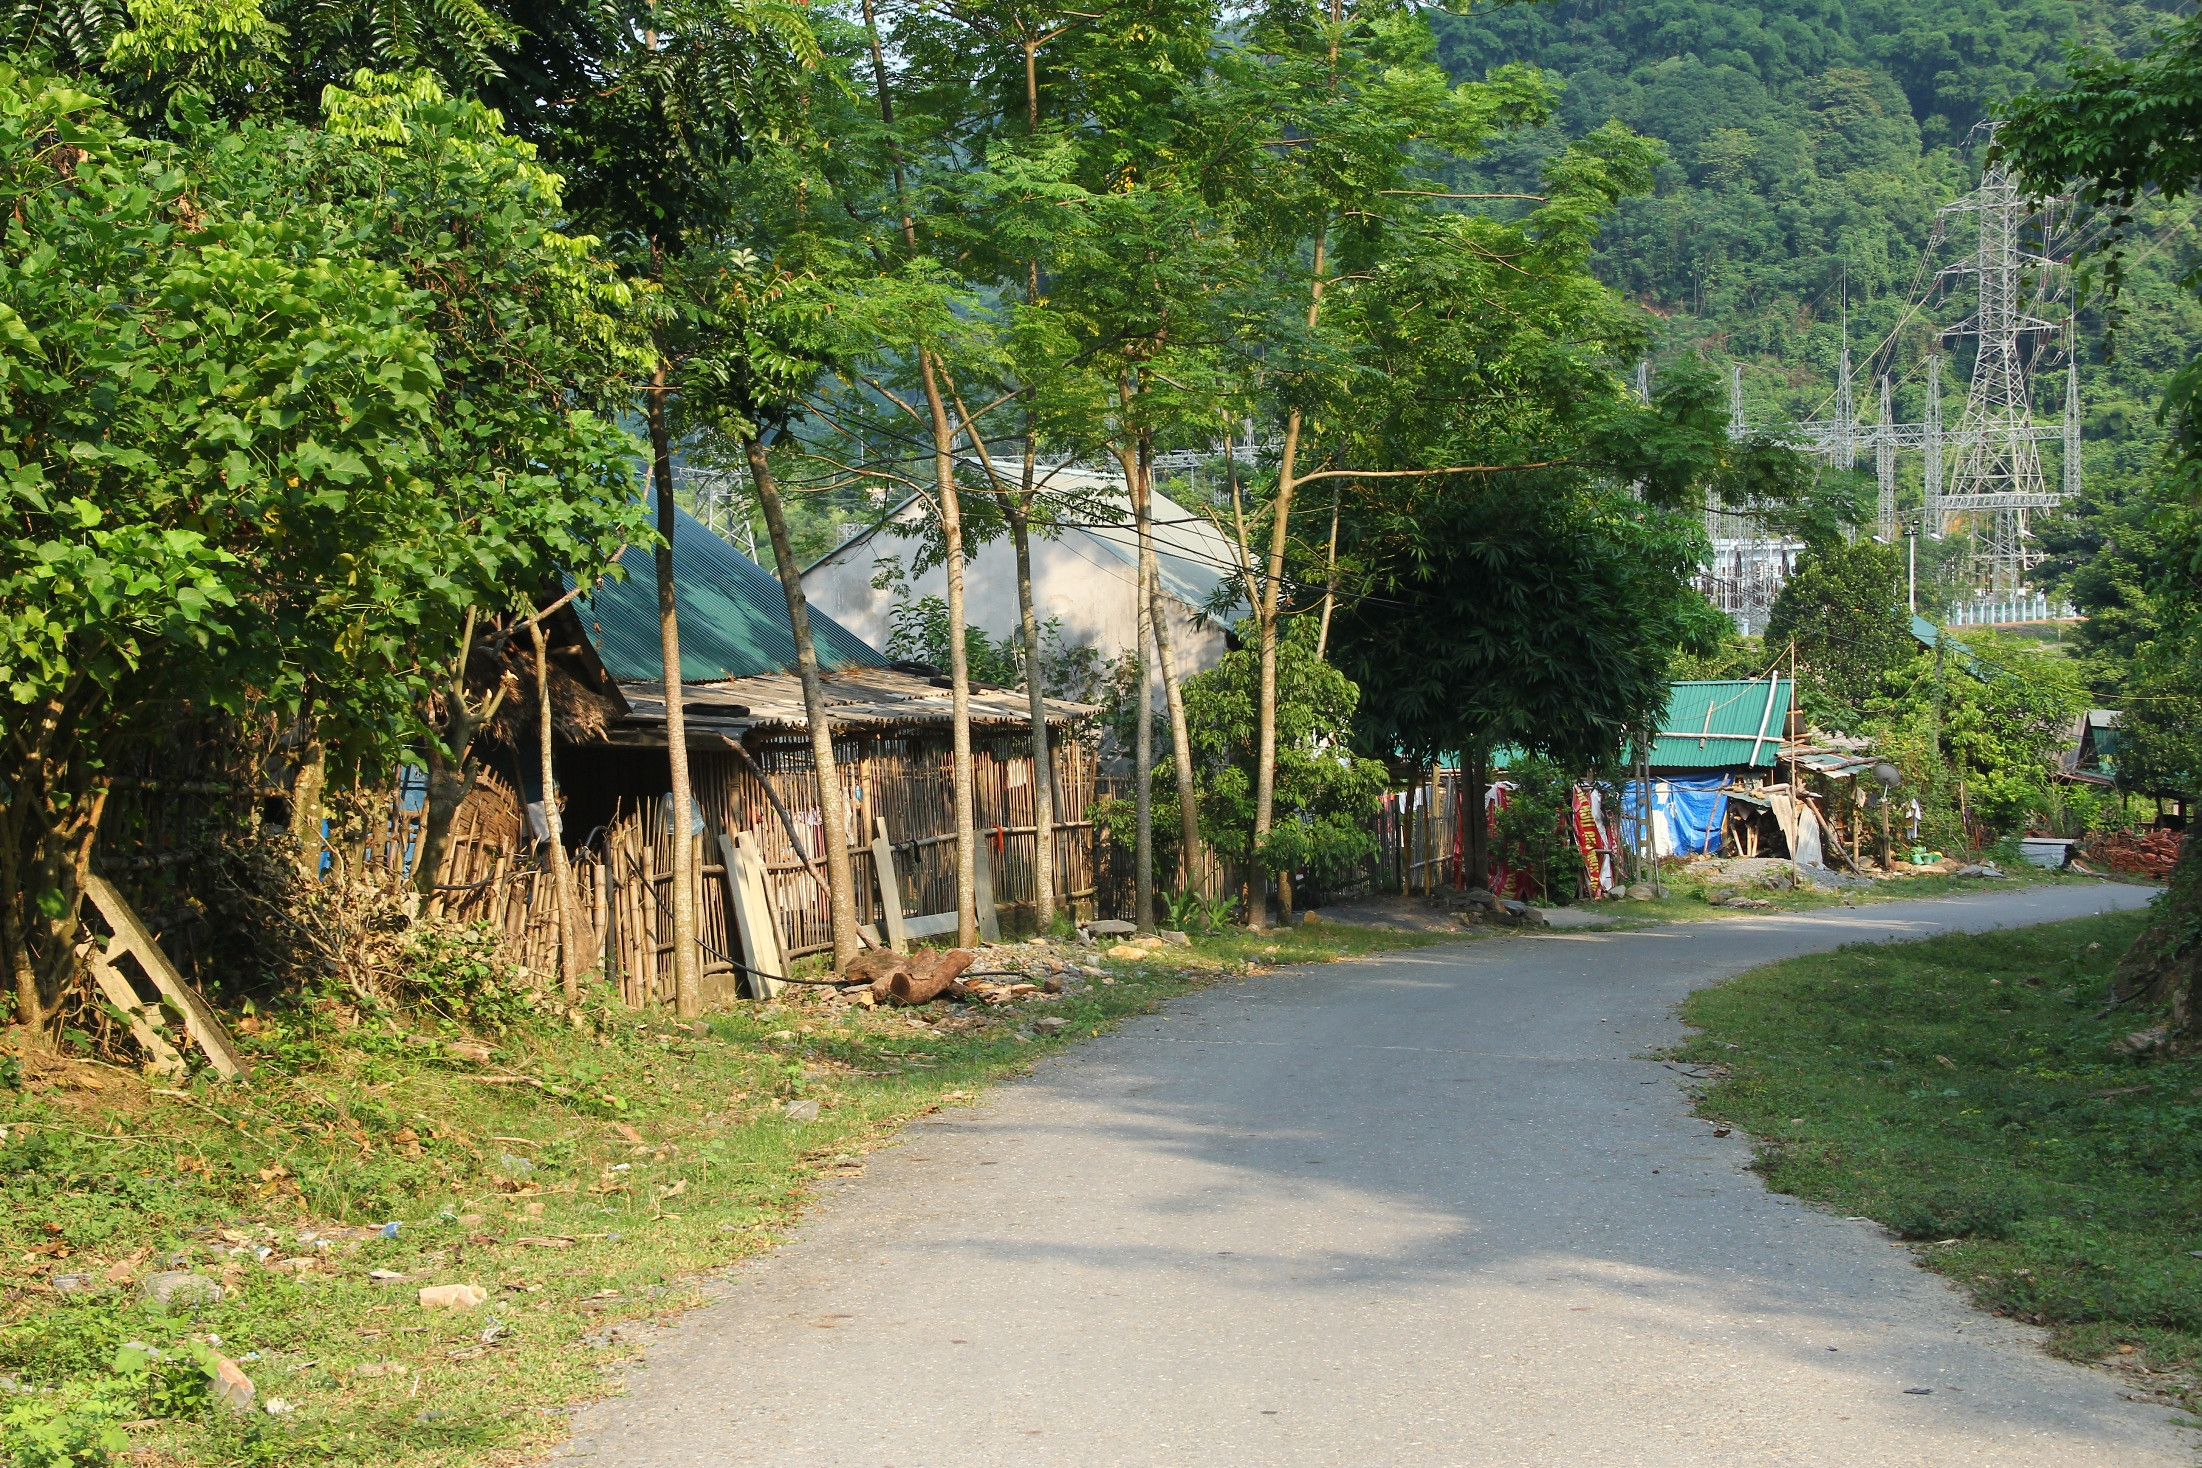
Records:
x=982, y=872
x=165, y=1062
x=890, y=887
x=760, y=932
x=200, y=1020
x=932, y=925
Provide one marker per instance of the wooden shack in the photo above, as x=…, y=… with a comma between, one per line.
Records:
x=746, y=728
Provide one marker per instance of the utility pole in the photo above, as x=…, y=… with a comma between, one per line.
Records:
x=1911, y=570
x=1884, y=461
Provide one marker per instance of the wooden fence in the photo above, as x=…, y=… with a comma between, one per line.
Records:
x=492, y=870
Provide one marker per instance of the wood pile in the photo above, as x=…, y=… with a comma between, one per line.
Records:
x=2148, y=853
x=912, y=978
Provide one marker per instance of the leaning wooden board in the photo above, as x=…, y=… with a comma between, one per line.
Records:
x=133, y=937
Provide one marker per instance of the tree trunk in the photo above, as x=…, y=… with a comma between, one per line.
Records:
x=41, y=936
x=1475, y=782
x=2165, y=962
x=1181, y=743
x=451, y=771
x=1265, y=713
x=1043, y=771
x=687, y=972
x=832, y=813
x=959, y=663
x=1265, y=755
x=569, y=916
x=1143, y=738
x=306, y=788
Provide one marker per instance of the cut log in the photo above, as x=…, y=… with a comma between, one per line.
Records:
x=928, y=977
x=875, y=966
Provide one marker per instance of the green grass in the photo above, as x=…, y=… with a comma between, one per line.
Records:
x=648, y=1155
x=1967, y=1092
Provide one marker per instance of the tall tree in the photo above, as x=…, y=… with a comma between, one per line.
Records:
x=680, y=94
x=1842, y=611
x=2125, y=129
x=1334, y=114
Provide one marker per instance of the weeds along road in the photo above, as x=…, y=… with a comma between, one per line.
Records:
x=1425, y=1208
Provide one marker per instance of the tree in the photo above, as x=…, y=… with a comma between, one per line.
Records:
x=2121, y=130
x=1842, y=610
x=1351, y=112
x=262, y=448
x=677, y=95
x=1326, y=795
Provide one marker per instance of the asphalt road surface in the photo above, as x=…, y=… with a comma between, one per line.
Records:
x=1426, y=1208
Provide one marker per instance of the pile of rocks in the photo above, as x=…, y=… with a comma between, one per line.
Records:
x=1478, y=906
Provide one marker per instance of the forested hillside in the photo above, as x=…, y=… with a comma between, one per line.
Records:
x=1809, y=147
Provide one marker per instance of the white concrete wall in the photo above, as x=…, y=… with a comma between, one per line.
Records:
x=1082, y=583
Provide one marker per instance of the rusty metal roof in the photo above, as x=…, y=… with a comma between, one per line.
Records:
x=863, y=700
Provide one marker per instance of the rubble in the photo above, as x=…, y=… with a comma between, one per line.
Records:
x=2134, y=853
x=451, y=1297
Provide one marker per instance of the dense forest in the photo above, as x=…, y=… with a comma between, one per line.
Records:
x=1809, y=148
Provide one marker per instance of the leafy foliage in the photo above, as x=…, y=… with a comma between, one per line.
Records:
x=1842, y=610
x=281, y=406
x=1326, y=793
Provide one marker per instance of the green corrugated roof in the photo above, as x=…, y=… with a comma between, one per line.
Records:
x=733, y=616
x=1716, y=725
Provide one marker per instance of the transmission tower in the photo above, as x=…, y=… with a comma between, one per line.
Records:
x=1997, y=479
x=1748, y=567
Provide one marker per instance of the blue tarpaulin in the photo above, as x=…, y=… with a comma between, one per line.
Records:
x=1687, y=815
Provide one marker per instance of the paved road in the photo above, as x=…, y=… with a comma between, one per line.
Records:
x=1422, y=1209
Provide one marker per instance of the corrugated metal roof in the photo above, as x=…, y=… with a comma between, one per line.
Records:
x=733, y=616
x=1722, y=725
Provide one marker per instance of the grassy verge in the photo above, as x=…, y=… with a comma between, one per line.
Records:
x=582, y=1167
x=1968, y=1093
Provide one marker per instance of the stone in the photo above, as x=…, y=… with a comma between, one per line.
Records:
x=1054, y=985
x=177, y=1289
x=1310, y=919
x=1093, y=973
x=1169, y=935
x=800, y=1111
x=1111, y=928
x=1051, y=1024
x=451, y=1297
x=2141, y=1042
x=232, y=1388
x=1481, y=897
x=71, y=1284
x=1126, y=950
x=1641, y=892
x=468, y=1050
